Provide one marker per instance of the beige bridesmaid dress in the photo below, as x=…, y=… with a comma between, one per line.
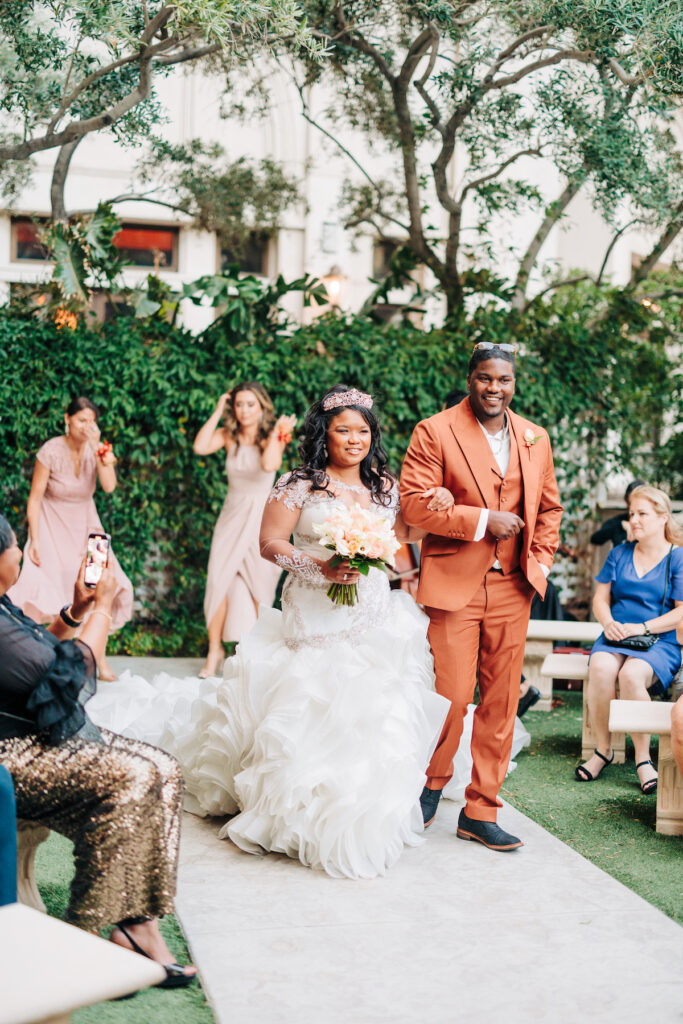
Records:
x=236, y=570
x=67, y=515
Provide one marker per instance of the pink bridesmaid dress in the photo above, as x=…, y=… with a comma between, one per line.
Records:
x=67, y=516
x=236, y=569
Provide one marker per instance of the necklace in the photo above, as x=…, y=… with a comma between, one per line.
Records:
x=76, y=459
x=356, y=488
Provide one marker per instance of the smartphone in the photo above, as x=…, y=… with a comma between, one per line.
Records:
x=97, y=557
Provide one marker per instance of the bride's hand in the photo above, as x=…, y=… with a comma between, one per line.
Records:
x=342, y=573
x=441, y=499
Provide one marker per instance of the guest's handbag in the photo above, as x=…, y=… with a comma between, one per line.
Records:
x=644, y=641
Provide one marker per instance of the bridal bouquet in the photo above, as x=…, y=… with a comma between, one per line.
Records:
x=364, y=539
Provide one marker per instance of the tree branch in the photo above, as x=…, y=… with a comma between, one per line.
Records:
x=533, y=33
x=535, y=151
x=193, y=54
x=68, y=101
x=77, y=129
x=420, y=83
x=623, y=75
x=359, y=42
x=347, y=152
x=59, y=173
x=133, y=198
x=585, y=56
x=610, y=247
x=552, y=287
x=553, y=214
x=429, y=37
x=669, y=235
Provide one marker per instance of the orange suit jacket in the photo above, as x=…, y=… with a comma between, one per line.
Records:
x=450, y=450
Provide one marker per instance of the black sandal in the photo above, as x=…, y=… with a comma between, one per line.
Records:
x=586, y=776
x=175, y=973
x=651, y=785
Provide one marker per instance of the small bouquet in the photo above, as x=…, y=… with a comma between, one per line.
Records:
x=103, y=450
x=364, y=539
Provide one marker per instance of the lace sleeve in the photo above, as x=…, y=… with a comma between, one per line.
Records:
x=291, y=492
x=394, y=507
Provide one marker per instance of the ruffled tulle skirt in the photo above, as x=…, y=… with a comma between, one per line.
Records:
x=319, y=752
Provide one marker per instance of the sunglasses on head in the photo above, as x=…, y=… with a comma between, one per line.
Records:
x=493, y=344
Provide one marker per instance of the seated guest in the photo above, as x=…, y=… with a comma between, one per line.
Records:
x=613, y=528
x=117, y=799
x=677, y=733
x=8, y=840
x=639, y=594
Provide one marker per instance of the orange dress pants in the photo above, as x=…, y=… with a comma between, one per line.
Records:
x=486, y=639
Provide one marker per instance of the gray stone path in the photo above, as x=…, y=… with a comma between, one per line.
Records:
x=454, y=933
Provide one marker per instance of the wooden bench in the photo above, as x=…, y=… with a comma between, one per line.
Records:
x=541, y=634
x=50, y=968
x=575, y=666
x=634, y=716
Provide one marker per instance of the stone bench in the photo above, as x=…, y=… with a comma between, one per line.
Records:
x=50, y=968
x=29, y=837
x=541, y=634
x=634, y=716
x=575, y=666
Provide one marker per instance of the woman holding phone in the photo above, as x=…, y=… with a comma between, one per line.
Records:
x=61, y=514
x=238, y=579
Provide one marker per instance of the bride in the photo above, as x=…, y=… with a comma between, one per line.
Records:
x=317, y=738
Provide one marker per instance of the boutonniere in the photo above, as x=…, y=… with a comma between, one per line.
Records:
x=530, y=439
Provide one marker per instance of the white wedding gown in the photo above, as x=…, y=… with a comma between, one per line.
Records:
x=319, y=734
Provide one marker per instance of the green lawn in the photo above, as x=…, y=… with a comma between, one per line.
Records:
x=54, y=868
x=608, y=821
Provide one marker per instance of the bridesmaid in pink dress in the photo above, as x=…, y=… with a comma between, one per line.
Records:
x=61, y=513
x=238, y=579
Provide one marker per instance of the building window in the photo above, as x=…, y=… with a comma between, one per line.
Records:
x=25, y=244
x=253, y=258
x=142, y=245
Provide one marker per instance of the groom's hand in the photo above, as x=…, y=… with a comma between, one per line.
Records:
x=504, y=524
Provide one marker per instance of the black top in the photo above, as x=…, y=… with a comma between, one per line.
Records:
x=611, y=530
x=44, y=682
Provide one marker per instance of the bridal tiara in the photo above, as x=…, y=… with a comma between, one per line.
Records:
x=352, y=397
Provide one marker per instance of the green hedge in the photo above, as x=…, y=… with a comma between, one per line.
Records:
x=156, y=384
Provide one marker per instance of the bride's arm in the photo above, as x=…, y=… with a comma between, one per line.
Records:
x=280, y=517
x=440, y=499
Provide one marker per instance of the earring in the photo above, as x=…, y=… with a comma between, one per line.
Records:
x=66, y=428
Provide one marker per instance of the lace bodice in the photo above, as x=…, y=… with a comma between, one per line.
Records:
x=315, y=506
x=310, y=619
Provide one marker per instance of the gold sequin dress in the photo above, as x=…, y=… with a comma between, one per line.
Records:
x=117, y=799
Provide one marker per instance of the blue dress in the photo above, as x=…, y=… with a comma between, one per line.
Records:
x=637, y=599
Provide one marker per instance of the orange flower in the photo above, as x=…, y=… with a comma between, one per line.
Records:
x=64, y=318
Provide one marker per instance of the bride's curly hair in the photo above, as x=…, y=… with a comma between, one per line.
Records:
x=313, y=450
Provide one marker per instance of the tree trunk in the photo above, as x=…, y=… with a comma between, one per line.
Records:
x=59, y=173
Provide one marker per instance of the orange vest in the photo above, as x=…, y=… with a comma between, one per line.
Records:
x=509, y=497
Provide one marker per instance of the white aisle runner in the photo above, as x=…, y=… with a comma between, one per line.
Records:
x=454, y=933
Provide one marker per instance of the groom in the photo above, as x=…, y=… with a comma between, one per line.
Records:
x=482, y=560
